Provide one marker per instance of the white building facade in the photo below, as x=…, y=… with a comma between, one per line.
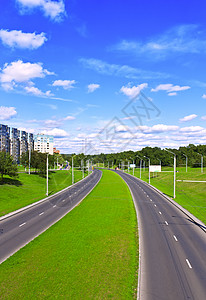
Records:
x=43, y=143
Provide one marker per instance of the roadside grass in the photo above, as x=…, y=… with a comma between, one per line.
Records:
x=92, y=253
x=189, y=195
x=26, y=189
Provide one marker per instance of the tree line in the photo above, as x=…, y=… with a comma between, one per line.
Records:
x=157, y=156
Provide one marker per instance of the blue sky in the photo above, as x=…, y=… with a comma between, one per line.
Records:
x=111, y=75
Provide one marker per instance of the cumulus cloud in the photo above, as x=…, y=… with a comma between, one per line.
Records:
x=133, y=91
x=188, y=118
x=7, y=113
x=55, y=10
x=18, y=72
x=170, y=88
x=19, y=39
x=204, y=96
x=92, y=87
x=37, y=92
x=66, y=84
x=56, y=132
x=191, y=129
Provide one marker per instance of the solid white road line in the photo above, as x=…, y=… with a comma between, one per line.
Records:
x=175, y=238
x=54, y=205
x=189, y=265
x=22, y=224
x=166, y=223
x=41, y=213
x=155, y=205
x=160, y=212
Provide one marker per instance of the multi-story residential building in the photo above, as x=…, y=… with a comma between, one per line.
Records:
x=15, y=144
x=30, y=141
x=43, y=143
x=23, y=142
x=4, y=138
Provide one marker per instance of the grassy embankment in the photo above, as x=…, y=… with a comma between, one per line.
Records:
x=92, y=253
x=191, y=196
x=27, y=189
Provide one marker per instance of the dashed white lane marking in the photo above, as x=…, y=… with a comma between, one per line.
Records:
x=189, y=265
x=22, y=224
x=160, y=212
x=54, y=205
x=155, y=205
x=151, y=200
x=147, y=196
x=166, y=223
x=63, y=200
x=175, y=238
x=41, y=213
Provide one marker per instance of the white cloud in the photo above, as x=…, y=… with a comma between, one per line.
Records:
x=180, y=39
x=55, y=10
x=132, y=92
x=19, y=39
x=170, y=88
x=7, y=113
x=92, y=87
x=126, y=71
x=56, y=132
x=68, y=118
x=203, y=118
x=188, y=118
x=18, y=72
x=172, y=94
x=37, y=92
x=204, y=96
x=191, y=129
x=66, y=84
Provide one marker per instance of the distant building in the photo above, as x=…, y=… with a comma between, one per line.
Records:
x=4, y=138
x=56, y=151
x=43, y=143
x=15, y=144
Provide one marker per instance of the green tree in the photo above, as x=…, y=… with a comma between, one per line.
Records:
x=7, y=166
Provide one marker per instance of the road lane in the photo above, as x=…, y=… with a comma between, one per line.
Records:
x=172, y=247
x=19, y=229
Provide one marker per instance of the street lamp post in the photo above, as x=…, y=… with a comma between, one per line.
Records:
x=140, y=166
x=174, y=170
x=149, y=167
x=186, y=160
x=82, y=163
x=73, y=169
x=201, y=162
x=29, y=159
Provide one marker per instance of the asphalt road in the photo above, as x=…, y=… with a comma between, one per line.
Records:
x=18, y=230
x=172, y=247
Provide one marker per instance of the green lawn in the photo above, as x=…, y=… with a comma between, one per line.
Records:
x=92, y=253
x=27, y=189
x=191, y=196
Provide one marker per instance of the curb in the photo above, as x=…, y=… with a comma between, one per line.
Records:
x=38, y=202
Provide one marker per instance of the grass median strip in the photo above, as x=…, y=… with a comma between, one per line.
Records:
x=27, y=189
x=92, y=253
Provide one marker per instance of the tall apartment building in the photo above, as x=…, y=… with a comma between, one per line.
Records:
x=23, y=142
x=4, y=138
x=43, y=143
x=15, y=144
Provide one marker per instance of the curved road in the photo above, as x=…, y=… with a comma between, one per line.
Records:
x=19, y=229
x=172, y=247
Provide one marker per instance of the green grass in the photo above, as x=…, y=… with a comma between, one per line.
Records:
x=92, y=253
x=27, y=189
x=191, y=196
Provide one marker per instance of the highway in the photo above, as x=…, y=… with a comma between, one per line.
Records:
x=18, y=230
x=172, y=247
